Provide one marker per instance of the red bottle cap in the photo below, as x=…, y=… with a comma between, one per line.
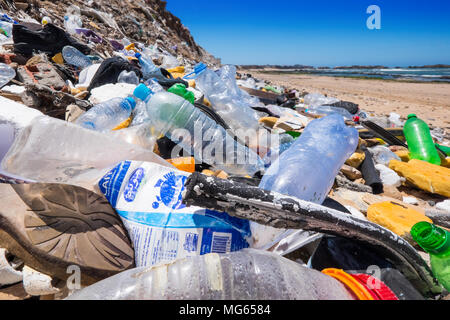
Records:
x=380, y=291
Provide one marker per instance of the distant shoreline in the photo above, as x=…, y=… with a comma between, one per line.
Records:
x=281, y=72
x=429, y=100
x=297, y=66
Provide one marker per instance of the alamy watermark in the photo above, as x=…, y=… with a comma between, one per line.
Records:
x=374, y=20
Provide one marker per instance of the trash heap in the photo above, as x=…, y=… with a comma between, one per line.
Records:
x=226, y=186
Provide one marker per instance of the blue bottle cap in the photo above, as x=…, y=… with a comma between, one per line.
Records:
x=142, y=92
x=132, y=102
x=199, y=67
x=138, y=55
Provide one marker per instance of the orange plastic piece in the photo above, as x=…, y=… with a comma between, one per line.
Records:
x=123, y=125
x=186, y=164
x=351, y=283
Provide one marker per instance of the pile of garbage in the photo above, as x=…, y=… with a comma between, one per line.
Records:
x=137, y=175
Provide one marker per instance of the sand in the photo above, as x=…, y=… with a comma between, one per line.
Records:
x=430, y=101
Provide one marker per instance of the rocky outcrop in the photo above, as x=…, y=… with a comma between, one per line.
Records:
x=146, y=21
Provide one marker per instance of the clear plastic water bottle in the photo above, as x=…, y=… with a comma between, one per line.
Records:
x=75, y=57
x=128, y=77
x=307, y=169
x=230, y=106
x=205, y=139
x=149, y=70
x=243, y=275
x=313, y=161
x=107, y=115
x=6, y=74
x=142, y=94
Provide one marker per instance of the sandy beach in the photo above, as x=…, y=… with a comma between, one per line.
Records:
x=430, y=101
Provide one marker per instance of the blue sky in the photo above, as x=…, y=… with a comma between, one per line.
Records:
x=319, y=32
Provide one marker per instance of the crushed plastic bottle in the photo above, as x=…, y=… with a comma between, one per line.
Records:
x=244, y=275
x=234, y=110
x=6, y=74
x=149, y=70
x=312, y=162
x=128, y=77
x=52, y=150
x=107, y=115
x=202, y=136
x=76, y=58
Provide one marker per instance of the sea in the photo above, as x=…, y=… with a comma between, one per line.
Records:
x=422, y=74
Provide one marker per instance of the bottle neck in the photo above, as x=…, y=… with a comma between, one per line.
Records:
x=431, y=238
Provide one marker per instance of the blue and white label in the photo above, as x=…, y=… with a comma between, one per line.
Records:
x=133, y=185
x=148, y=198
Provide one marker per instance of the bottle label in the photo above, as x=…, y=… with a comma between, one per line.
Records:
x=148, y=198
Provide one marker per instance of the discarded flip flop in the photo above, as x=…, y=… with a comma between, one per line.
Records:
x=54, y=226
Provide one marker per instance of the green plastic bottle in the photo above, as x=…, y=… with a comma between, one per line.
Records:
x=180, y=90
x=435, y=241
x=420, y=143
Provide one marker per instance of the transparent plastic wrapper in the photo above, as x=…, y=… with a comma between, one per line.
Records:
x=200, y=135
x=52, y=150
x=389, y=177
x=382, y=155
x=230, y=106
x=307, y=169
x=244, y=275
x=148, y=196
x=328, y=110
x=6, y=74
x=72, y=19
x=228, y=75
x=394, y=119
x=317, y=99
x=128, y=77
x=169, y=62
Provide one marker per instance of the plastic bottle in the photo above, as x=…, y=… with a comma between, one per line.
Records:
x=307, y=169
x=208, y=141
x=75, y=57
x=234, y=110
x=107, y=115
x=6, y=74
x=149, y=70
x=53, y=150
x=420, y=143
x=243, y=275
x=128, y=77
x=435, y=241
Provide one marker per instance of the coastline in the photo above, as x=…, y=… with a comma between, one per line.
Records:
x=429, y=100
